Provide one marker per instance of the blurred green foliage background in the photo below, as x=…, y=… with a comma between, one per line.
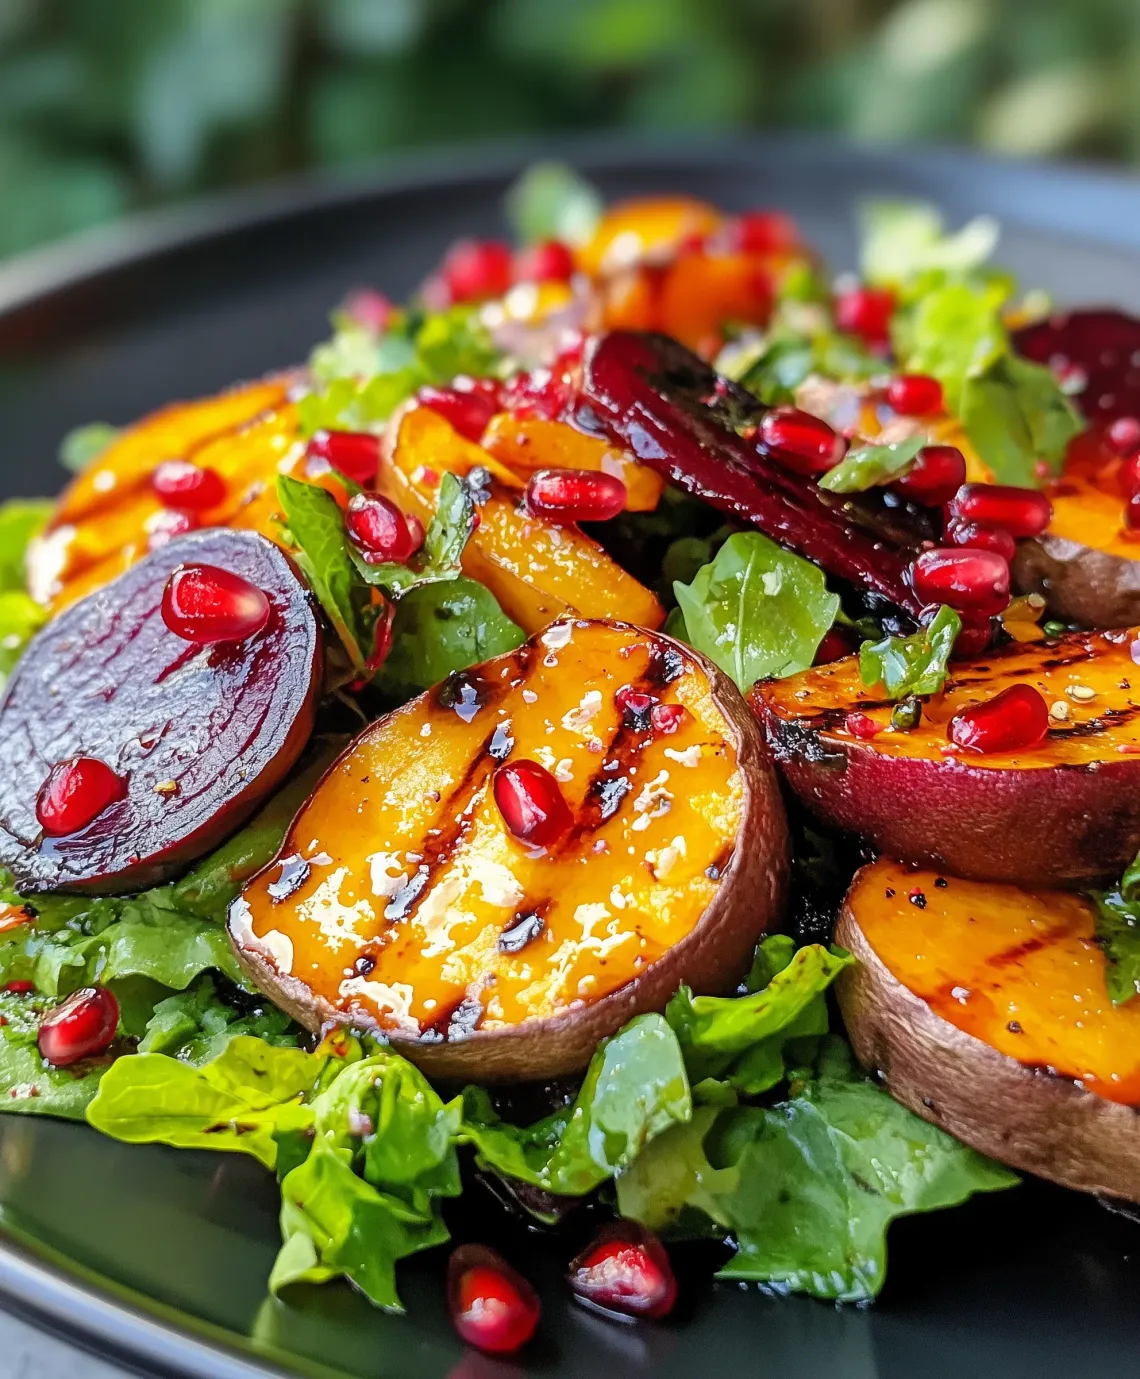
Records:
x=108, y=105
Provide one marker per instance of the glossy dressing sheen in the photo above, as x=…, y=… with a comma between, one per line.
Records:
x=1021, y=970
x=405, y=903
x=1090, y=682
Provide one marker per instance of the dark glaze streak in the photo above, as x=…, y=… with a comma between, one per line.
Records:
x=524, y=928
x=1018, y=952
x=294, y=873
x=1103, y=723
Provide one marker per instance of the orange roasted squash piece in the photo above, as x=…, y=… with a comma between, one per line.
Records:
x=537, y=569
x=402, y=902
x=108, y=517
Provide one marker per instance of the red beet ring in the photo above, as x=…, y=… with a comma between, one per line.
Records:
x=201, y=734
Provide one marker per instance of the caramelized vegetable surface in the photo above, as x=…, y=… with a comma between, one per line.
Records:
x=109, y=516
x=1064, y=813
x=402, y=902
x=985, y=1009
x=538, y=570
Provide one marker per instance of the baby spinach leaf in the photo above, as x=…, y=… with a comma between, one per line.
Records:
x=83, y=446
x=1017, y=417
x=757, y=610
x=872, y=465
x=444, y=542
x=917, y=664
x=551, y=201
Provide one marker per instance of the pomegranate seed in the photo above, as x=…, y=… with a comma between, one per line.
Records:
x=356, y=454
x=667, y=718
x=382, y=638
x=970, y=581
x=635, y=704
x=492, y=1307
x=1022, y=512
x=474, y=269
x=76, y=792
x=204, y=604
x=625, y=1269
x=20, y=988
x=550, y=261
x=1129, y=476
x=180, y=484
x=762, y=232
x=378, y=528
x=1015, y=719
x=165, y=525
x=915, y=395
x=532, y=805
x=575, y=495
x=937, y=473
x=369, y=309
x=83, y=1025
x=980, y=538
x=468, y=412
x=866, y=312
x=1132, y=513
x=1123, y=436
x=835, y=645
x=862, y=725
x=973, y=638
x=802, y=442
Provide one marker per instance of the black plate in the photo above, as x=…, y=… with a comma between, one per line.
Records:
x=160, y=1257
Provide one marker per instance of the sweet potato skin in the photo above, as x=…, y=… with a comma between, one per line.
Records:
x=711, y=957
x=1027, y=1117
x=1080, y=583
x=1067, y=814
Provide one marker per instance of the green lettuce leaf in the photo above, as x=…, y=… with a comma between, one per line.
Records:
x=903, y=240
x=28, y=1085
x=20, y=520
x=195, y=1025
x=635, y=1088
x=871, y=466
x=21, y=617
x=757, y=610
x=551, y=201
x=83, y=445
x=917, y=664
x=1118, y=933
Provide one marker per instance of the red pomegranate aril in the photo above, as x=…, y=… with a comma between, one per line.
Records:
x=20, y=988
x=973, y=639
x=969, y=581
x=575, y=495
x=378, y=529
x=533, y=807
x=1023, y=512
x=168, y=523
x=1012, y=721
x=355, y=453
x=1132, y=513
x=762, y=232
x=937, y=473
x=1123, y=436
x=369, y=309
x=667, y=718
x=835, y=645
x=191, y=487
x=82, y=1026
x=915, y=395
x=548, y=261
x=76, y=792
x=205, y=604
x=866, y=312
x=977, y=537
x=468, y=412
x=862, y=725
x=625, y=1269
x=492, y=1306
x=1129, y=475
x=634, y=702
x=474, y=269
x=800, y=441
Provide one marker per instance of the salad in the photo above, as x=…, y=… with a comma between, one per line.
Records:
x=644, y=728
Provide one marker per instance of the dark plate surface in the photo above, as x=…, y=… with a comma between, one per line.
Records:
x=159, y=1256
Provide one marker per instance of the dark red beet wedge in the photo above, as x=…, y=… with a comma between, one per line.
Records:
x=653, y=397
x=193, y=736
x=625, y=1269
x=1098, y=349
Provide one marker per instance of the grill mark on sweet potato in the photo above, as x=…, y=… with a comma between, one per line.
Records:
x=1018, y=952
x=1103, y=723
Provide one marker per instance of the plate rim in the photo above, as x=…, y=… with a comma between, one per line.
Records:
x=120, y=1324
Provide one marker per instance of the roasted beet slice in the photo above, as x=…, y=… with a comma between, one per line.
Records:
x=197, y=734
x=657, y=399
x=1100, y=353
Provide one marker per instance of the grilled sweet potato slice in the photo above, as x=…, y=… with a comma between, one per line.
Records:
x=537, y=569
x=109, y=517
x=1064, y=813
x=401, y=902
x=985, y=1010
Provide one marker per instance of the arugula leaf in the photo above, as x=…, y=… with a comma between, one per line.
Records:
x=237, y=1102
x=551, y=201
x=1017, y=416
x=83, y=445
x=742, y=1039
x=757, y=610
x=20, y=520
x=635, y=1088
x=872, y=465
x=323, y=552
x=441, y=628
x=917, y=664
x=900, y=240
